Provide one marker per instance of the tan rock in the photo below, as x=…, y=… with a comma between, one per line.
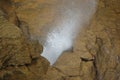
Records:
x=39, y=66
x=100, y=42
x=12, y=45
x=54, y=74
x=95, y=54
x=19, y=58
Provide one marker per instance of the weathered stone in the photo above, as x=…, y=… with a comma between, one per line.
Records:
x=13, y=51
x=95, y=54
x=35, y=49
x=39, y=66
x=54, y=74
x=98, y=42
x=19, y=58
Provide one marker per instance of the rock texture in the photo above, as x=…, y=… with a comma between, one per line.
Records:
x=95, y=54
x=96, y=51
x=19, y=57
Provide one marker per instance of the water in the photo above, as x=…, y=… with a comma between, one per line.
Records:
x=73, y=15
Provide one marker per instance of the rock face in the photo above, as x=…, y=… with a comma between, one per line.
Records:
x=107, y=40
x=19, y=57
x=96, y=51
x=95, y=54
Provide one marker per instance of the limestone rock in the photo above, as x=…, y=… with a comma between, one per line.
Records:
x=12, y=45
x=54, y=74
x=9, y=11
x=19, y=58
x=98, y=45
x=39, y=66
x=95, y=54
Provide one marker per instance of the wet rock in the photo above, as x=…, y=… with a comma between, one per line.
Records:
x=97, y=45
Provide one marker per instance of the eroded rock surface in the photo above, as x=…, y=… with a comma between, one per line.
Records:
x=95, y=54
x=96, y=51
x=19, y=58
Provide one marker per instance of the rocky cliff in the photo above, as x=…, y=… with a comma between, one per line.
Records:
x=95, y=54
x=19, y=56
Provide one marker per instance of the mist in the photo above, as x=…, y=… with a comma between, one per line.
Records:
x=74, y=14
